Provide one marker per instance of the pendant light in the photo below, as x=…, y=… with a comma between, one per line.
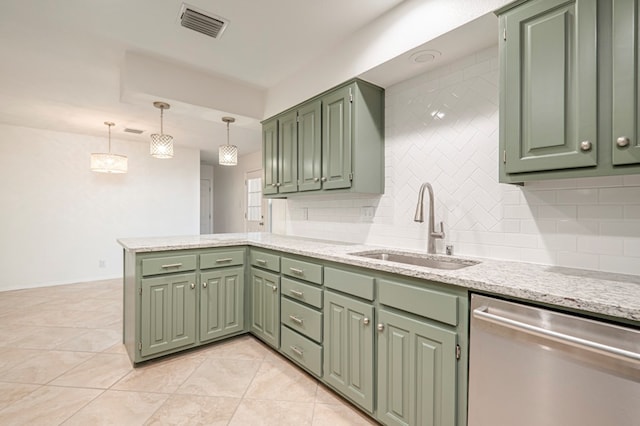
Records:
x=161, y=144
x=228, y=154
x=109, y=163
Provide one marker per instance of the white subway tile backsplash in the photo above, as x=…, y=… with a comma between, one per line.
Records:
x=442, y=127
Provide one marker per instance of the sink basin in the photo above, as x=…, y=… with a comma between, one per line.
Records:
x=418, y=260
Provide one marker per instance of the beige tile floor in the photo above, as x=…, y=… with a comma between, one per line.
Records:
x=62, y=362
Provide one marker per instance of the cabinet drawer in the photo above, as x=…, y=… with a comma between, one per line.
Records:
x=301, y=318
x=303, y=270
x=425, y=302
x=302, y=350
x=349, y=282
x=303, y=292
x=168, y=265
x=219, y=259
x=265, y=260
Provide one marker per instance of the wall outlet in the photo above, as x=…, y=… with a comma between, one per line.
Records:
x=366, y=213
x=102, y=263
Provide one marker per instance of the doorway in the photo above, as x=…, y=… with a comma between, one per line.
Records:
x=255, y=206
x=206, y=222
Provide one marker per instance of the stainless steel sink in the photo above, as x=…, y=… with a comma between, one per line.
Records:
x=416, y=259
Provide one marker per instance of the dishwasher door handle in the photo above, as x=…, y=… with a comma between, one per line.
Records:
x=482, y=313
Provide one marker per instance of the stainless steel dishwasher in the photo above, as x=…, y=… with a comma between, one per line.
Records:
x=531, y=366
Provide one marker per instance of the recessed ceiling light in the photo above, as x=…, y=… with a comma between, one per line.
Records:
x=424, y=56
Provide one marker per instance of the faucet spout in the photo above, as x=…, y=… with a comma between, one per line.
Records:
x=419, y=217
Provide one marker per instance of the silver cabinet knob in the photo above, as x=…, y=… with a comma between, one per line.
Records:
x=273, y=185
x=274, y=288
x=204, y=284
x=623, y=141
x=316, y=179
x=193, y=285
x=380, y=327
x=585, y=145
x=365, y=321
x=324, y=179
x=278, y=184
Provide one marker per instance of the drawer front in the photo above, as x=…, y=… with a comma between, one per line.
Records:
x=306, y=293
x=349, y=282
x=302, y=350
x=220, y=259
x=168, y=264
x=301, y=318
x=265, y=260
x=425, y=302
x=307, y=271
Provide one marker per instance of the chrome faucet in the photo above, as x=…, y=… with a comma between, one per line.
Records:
x=431, y=237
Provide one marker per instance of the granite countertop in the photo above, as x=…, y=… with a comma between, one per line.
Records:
x=610, y=294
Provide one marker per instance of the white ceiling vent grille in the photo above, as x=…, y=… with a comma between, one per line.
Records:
x=135, y=131
x=202, y=22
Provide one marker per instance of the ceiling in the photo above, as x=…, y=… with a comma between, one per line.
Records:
x=64, y=63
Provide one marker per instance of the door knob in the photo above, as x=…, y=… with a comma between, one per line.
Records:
x=316, y=179
x=193, y=285
x=381, y=327
x=585, y=145
x=274, y=288
x=204, y=284
x=365, y=321
x=324, y=179
x=623, y=141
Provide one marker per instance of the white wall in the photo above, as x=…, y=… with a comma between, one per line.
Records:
x=228, y=193
x=442, y=127
x=59, y=220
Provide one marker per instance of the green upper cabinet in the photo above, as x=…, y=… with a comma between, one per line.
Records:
x=309, y=146
x=221, y=303
x=340, y=143
x=287, y=153
x=568, y=89
x=626, y=90
x=336, y=141
x=270, y=156
x=549, y=86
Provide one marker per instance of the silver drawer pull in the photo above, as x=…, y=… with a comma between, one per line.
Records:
x=295, y=319
x=226, y=259
x=172, y=265
x=297, y=350
x=296, y=271
x=261, y=261
x=296, y=293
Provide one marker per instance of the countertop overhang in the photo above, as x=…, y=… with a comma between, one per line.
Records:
x=609, y=294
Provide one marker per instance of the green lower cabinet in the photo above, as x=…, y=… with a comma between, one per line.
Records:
x=221, y=303
x=348, y=348
x=265, y=306
x=416, y=372
x=168, y=313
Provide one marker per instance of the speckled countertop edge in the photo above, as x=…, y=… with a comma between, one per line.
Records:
x=610, y=294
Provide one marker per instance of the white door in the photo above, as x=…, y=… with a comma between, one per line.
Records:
x=255, y=206
x=205, y=207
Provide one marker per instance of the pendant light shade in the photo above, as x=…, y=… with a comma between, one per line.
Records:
x=228, y=154
x=161, y=144
x=107, y=162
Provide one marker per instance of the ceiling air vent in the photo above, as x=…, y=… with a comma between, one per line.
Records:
x=200, y=21
x=136, y=131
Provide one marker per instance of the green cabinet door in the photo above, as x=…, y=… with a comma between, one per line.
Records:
x=167, y=313
x=348, y=348
x=265, y=306
x=221, y=303
x=310, y=146
x=416, y=372
x=548, y=104
x=626, y=90
x=336, y=138
x=270, y=156
x=287, y=153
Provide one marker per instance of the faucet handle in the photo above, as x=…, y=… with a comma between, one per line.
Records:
x=439, y=234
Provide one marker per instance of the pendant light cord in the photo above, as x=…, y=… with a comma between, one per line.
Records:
x=161, y=114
